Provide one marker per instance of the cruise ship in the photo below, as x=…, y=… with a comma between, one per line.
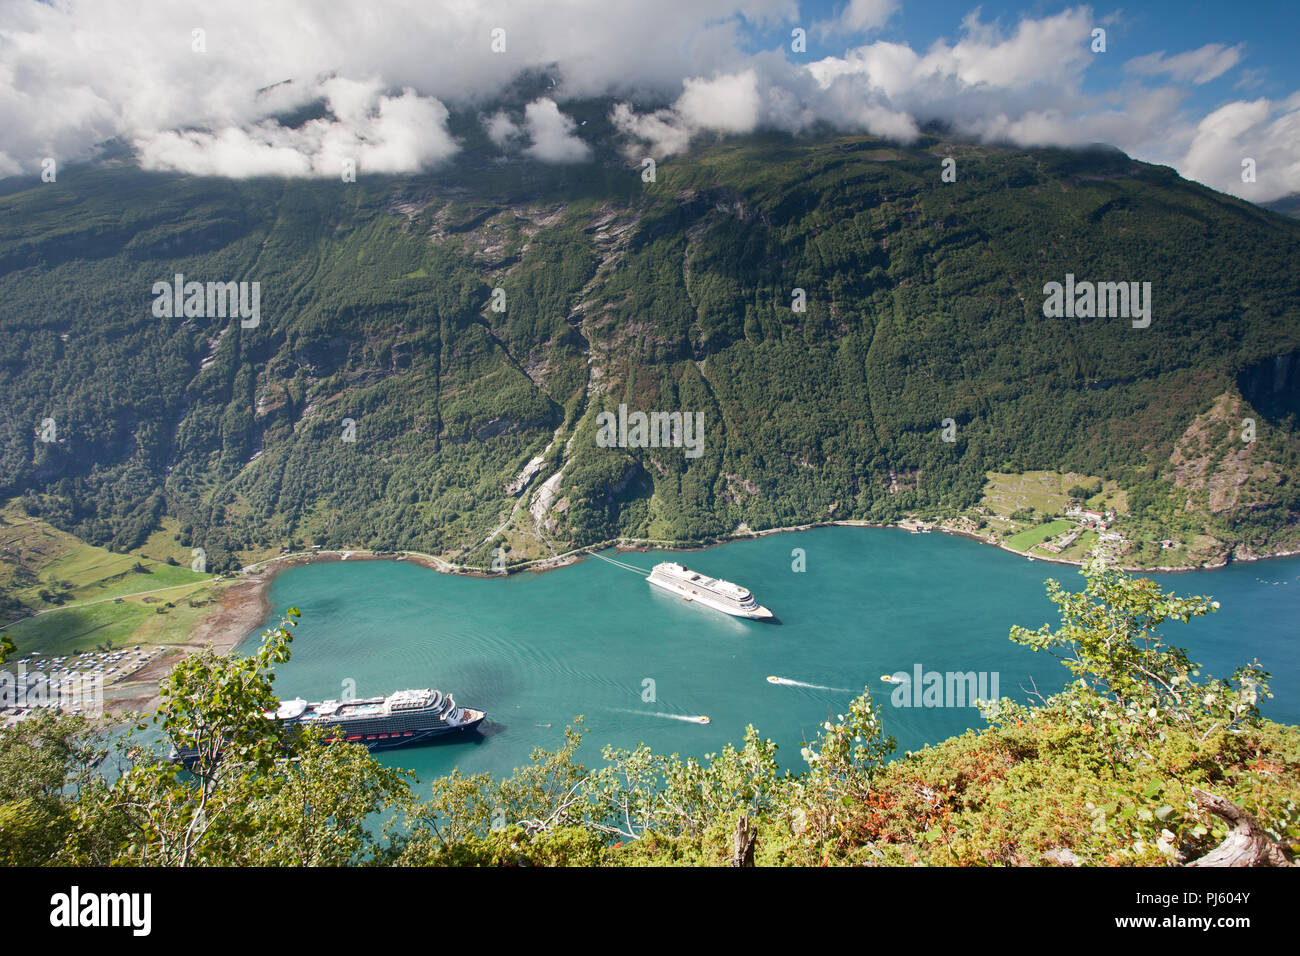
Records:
x=720, y=595
x=401, y=719
x=398, y=720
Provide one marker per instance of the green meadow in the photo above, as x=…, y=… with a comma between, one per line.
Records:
x=63, y=595
x=1037, y=535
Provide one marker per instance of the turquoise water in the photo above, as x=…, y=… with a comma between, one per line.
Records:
x=534, y=650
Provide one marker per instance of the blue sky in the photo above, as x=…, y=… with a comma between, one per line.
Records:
x=1270, y=30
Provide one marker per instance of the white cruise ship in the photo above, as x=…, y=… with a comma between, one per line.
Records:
x=720, y=595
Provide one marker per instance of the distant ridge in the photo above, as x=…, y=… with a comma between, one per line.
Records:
x=1287, y=205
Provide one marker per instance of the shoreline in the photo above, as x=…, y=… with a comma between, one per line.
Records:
x=896, y=526
x=244, y=605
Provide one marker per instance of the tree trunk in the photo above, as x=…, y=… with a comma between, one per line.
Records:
x=1246, y=843
x=746, y=837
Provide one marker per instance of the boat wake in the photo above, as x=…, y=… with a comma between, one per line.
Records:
x=787, y=682
x=701, y=719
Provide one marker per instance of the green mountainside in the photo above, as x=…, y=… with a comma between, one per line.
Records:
x=923, y=303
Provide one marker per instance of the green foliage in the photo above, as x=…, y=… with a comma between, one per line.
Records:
x=248, y=792
x=314, y=809
x=638, y=792
x=539, y=797
x=46, y=761
x=221, y=707
x=852, y=751
x=1109, y=638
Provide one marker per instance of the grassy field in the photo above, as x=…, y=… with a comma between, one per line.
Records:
x=1079, y=550
x=164, y=543
x=96, y=574
x=78, y=628
x=35, y=556
x=1037, y=535
x=83, y=596
x=1045, y=492
x=138, y=620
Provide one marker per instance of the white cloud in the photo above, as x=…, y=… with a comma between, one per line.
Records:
x=1050, y=51
x=987, y=84
x=552, y=134
x=662, y=131
x=724, y=103
x=1267, y=131
x=76, y=73
x=1195, y=66
x=729, y=103
x=501, y=129
x=376, y=133
x=859, y=16
x=983, y=84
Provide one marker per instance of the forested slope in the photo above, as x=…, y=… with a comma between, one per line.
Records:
x=923, y=303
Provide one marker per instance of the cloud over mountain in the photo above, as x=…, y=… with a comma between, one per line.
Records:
x=197, y=87
x=552, y=134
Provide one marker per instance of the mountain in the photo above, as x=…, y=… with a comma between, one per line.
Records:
x=924, y=320
x=1287, y=205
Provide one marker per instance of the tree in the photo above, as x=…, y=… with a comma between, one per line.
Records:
x=849, y=752
x=449, y=827
x=311, y=809
x=639, y=792
x=46, y=760
x=245, y=790
x=1085, y=490
x=1109, y=638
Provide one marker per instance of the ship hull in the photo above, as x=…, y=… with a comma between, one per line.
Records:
x=386, y=733
x=374, y=740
